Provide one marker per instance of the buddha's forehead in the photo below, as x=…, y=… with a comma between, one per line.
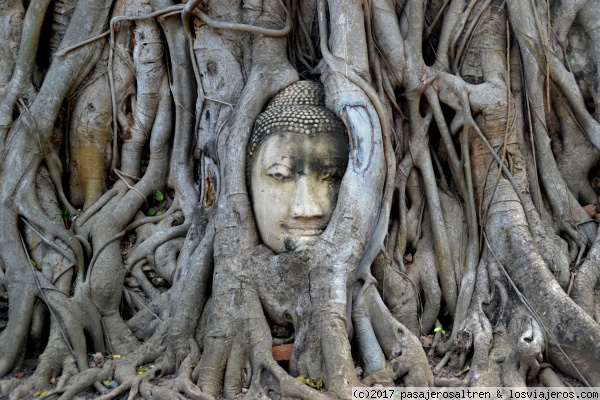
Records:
x=293, y=148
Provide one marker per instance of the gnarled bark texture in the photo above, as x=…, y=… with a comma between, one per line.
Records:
x=465, y=231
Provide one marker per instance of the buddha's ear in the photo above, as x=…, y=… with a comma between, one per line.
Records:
x=358, y=125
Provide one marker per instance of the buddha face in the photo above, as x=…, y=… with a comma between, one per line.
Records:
x=294, y=183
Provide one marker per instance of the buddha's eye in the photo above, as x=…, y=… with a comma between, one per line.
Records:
x=280, y=173
x=327, y=177
x=331, y=175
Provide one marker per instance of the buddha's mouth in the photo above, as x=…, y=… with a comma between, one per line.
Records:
x=305, y=236
x=305, y=231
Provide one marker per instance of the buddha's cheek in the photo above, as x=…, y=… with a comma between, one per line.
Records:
x=326, y=193
x=271, y=210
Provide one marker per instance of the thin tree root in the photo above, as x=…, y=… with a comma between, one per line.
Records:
x=256, y=30
x=96, y=207
x=148, y=247
x=83, y=381
x=442, y=363
x=183, y=383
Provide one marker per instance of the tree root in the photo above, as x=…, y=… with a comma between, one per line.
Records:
x=83, y=381
x=54, y=361
x=147, y=248
x=549, y=378
x=96, y=207
x=586, y=282
x=183, y=383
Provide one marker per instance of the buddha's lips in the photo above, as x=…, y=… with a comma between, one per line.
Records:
x=305, y=231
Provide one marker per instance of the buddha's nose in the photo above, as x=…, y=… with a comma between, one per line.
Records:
x=305, y=202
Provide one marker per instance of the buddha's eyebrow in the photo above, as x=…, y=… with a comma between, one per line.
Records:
x=275, y=164
x=278, y=157
x=331, y=162
x=286, y=161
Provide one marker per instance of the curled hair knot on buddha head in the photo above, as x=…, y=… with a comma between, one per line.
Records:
x=299, y=108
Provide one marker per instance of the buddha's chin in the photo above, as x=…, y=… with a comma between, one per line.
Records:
x=294, y=242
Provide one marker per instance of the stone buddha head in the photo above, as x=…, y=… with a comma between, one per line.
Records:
x=297, y=156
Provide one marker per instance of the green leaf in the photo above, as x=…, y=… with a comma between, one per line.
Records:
x=158, y=213
x=439, y=329
x=106, y=383
x=66, y=213
x=142, y=370
x=151, y=211
x=314, y=383
x=159, y=196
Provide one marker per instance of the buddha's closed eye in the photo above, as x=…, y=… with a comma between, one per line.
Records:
x=279, y=172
